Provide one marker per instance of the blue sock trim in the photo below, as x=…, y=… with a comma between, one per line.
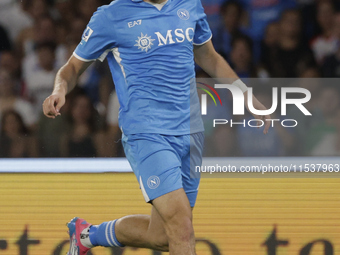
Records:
x=104, y=235
x=92, y=235
x=114, y=235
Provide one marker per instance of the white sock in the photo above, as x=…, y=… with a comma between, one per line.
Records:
x=85, y=238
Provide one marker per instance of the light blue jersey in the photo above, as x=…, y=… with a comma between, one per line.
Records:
x=150, y=52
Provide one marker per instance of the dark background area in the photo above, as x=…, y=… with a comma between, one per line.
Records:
x=259, y=38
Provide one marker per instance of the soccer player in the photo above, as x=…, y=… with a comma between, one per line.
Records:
x=150, y=46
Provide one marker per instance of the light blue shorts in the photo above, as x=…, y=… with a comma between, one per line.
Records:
x=162, y=163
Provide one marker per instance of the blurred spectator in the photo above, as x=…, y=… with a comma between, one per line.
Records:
x=5, y=44
x=331, y=65
x=325, y=43
x=310, y=72
x=96, y=81
x=64, y=11
x=13, y=17
x=278, y=142
x=10, y=63
x=223, y=143
x=15, y=139
x=272, y=35
x=252, y=144
x=86, y=8
x=37, y=9
x=310, y=80
x=83, y=140
x=261, y=13
x=241, y=57
x=42, y=34
x=77, y=28
x=219, y=141
x=39, y=71
x=321, y=139
x=231, y=12
x=114, y=132
x=69, y=30
x=212, y=9
x=337, y=139
x=290, y=56
x=50, y=131
x=9, y=100
x=270, y=41
x=44, y=31
x=308, y=12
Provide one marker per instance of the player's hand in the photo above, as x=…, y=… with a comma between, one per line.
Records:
x=266, y=123
x=259, y=106
x=52, y=105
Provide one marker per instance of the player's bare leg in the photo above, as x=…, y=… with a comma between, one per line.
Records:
x=143, y=231
x=168, y=228
x=174, y=208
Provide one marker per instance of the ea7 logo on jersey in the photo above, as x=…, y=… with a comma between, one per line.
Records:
x=87, y=34
x=135, y=23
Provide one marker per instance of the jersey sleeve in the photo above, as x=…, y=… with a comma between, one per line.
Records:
x=97, y=39
x=202, y=32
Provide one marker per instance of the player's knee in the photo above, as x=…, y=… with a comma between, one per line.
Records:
x=161, y=243
x=180, y=228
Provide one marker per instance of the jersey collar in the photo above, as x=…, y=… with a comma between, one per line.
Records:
x=138, y=1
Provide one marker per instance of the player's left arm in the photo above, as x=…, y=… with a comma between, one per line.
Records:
x=216, y=66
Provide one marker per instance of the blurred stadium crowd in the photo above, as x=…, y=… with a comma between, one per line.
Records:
x=259, y=38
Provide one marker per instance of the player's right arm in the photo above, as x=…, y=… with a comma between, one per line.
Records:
x=65, y=81
x=98, y=37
